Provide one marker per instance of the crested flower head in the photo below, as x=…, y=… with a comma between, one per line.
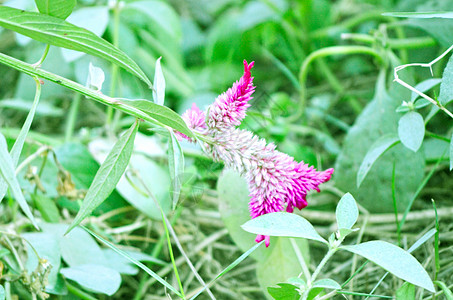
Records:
x=276, y=181
x=229, y=108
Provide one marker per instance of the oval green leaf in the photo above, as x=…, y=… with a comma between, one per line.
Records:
x=283, y=224
x=57, y=32
x=108, y=175
x=327, y=284
x=379, y=147
x=406, y=292
x=446, y=87
x=56, y=8
x=346, y=212
x=176, y=166
x=411, y=130
x=395, y=260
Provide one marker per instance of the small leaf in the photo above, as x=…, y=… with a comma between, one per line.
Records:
x=95, y=278
x=379, y=147
x=347, y=212
x=285, y=291
x=160, y=113
x=176, y=166
x=283, y=224
x=95, y=78
x=451, y=154
x=8, y=172
x=421, y=15
x=395, y=260
x=411, y=130
x=57, y=32
x=446, y=87
x=422, y=240
x=406, y=292
x=327, y=284
x=56, y=8
x=424, y=86
x=108, y=175
x=447, y=292
x=159, y=84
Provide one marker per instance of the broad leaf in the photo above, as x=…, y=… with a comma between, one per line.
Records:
x=446, y=87
x=57, y=32
x=327, y=284
x=346, y=212
x=395, y=260
x=8, y=172
x=411, y=130
x=159, y=84
x=405, y=292
x=108, y=174
x=56, y=8
x=160, y=113
x=285, y=291
x=95, y=278
x=376, y=150
x=283, y=224
x=176, y=166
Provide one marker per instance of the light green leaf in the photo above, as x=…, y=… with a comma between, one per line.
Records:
x=2, y=292
x=47, y=208
x=160, y=113
x=57, y=32
x=346, y=212
x=56, y=8
x=96, y=278
x=447, y=292
x=411, y=130
x=159, y=84
x=422, y=240
x=395, y=260
x=327, y=284
x=108, y=175
x=176, y=166
x=8, y=172
x=451, y=153
x=285, y=291
x=421, y=15
x=405, y=292
x=95, y=78
x=376, y=150
x=446, y=87
x=283, y=224
x=424, y=86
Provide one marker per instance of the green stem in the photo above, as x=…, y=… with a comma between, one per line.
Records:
x=332, y=250
x=73, y=111
x=79, y=293
x=43, y=57
x=324, y=52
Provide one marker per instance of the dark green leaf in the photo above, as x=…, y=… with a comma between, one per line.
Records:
x=176, y=166
x=395, y=260
x=57, y=32
x=108, y=174
x=56, y=8
x=8, y=172
x=406, y=292
x=161, y=114
x=411, y=130
x=347, y=212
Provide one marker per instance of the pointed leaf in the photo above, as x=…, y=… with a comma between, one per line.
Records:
x=347, y=212
x=57, y=32
x=446, y=87
x=56, y=8
x=8, y=172
x=327, y=284
x=283, y=224
x=108, y=175
x=395, y=260
x=160, y=113
x=411, y=130
x=379, y=147
x=176, y=166
x=159, y=84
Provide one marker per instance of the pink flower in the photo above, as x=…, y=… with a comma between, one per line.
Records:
x=229, y=108
x=195, y=120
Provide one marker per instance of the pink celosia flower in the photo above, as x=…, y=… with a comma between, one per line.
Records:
x=276, y=181
x=195, y=120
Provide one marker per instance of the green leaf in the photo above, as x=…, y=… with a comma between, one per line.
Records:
x=2, y=292
x=421, y=15
x=56, y=8
x=8, y=172
x=95, y=278
x=47, y=208
x=447, y=292
x=346, y=212
x=376, y=150
x=327, y=284
x=405, y=292
x=395, y=260
x=133, y=260
x=451, y=153
x=161, y=114
x=159, y=84
x=57, y=32
x=411, y=130
x=285, y=291
x=424, y=86
x=283, y=224
x=422, y=240
x=446, y=87
x=176, y=166
x=108, y=175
